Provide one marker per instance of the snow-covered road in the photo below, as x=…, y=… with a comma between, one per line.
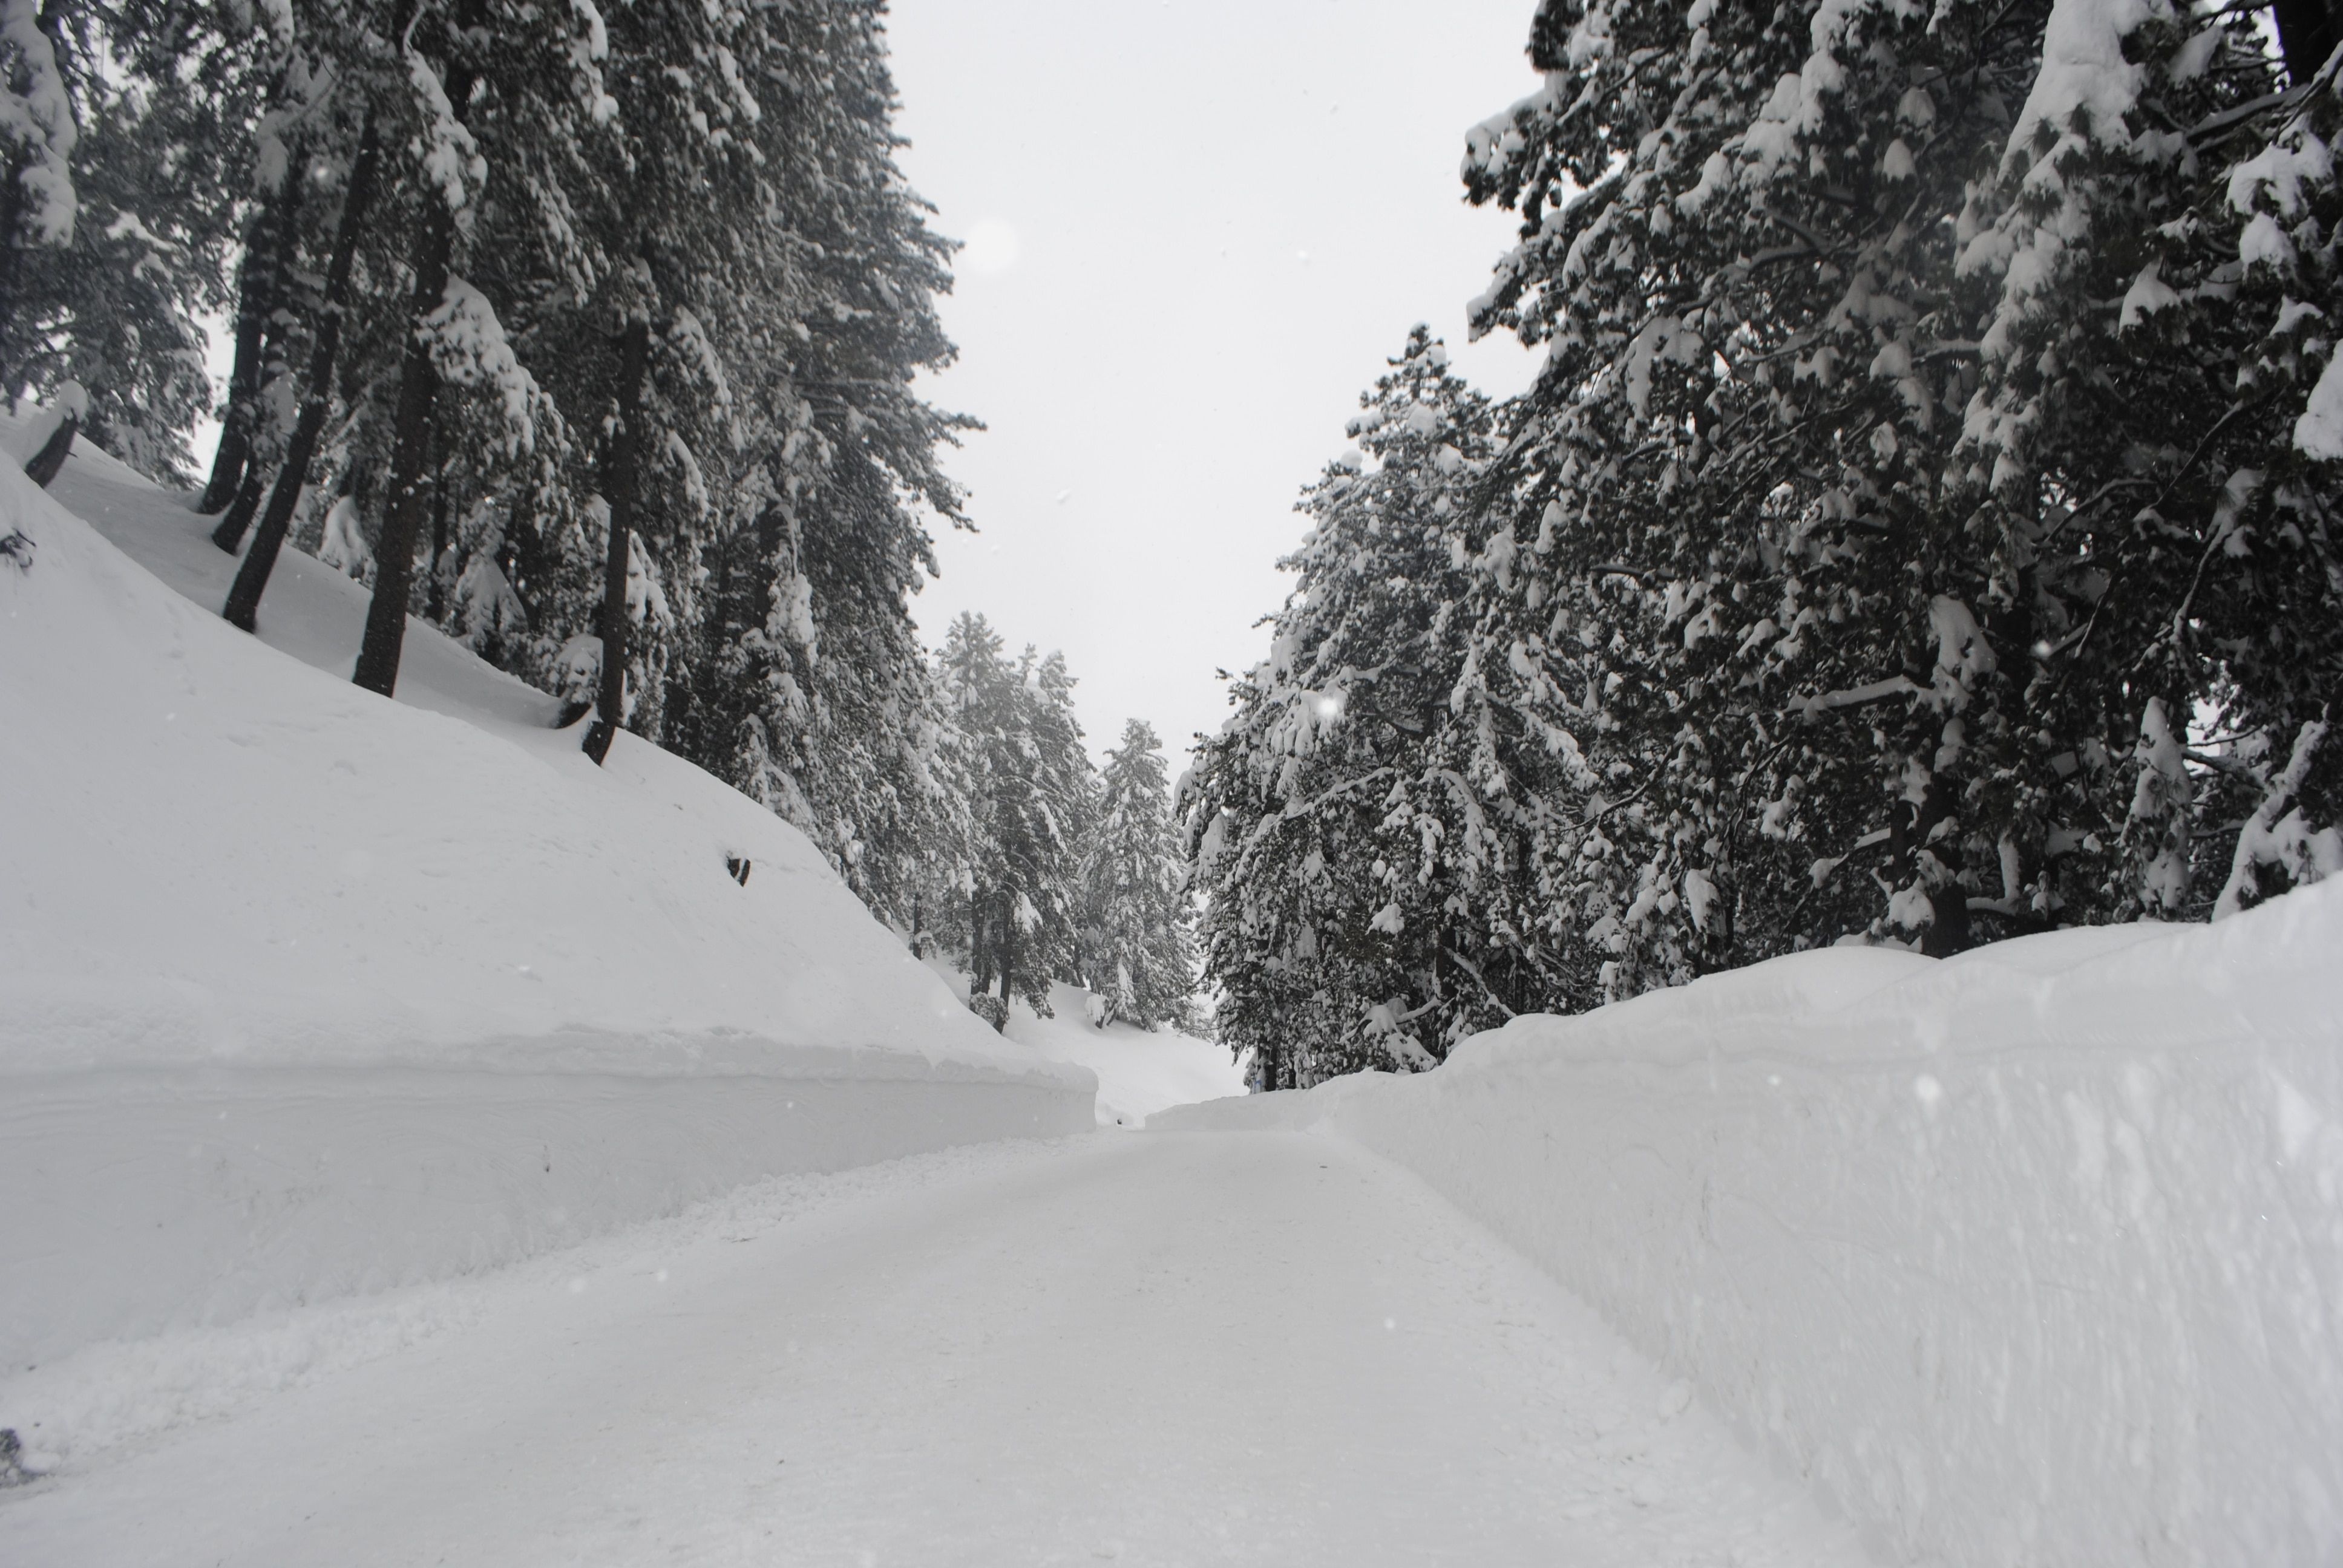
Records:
x=1200, y=1348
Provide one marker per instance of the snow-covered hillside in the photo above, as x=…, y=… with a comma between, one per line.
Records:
x=2034, y=1255
x=306, y=991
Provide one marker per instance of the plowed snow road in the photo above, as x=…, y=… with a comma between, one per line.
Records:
x=1162, y=1347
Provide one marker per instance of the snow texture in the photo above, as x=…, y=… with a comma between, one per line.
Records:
x=2017, y=1256
x=1223, y=1349
x=308, y=992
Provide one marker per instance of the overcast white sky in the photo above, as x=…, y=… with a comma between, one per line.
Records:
x=1198, y=228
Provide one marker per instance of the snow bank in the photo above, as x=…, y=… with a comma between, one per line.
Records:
x=2034, y=1255
x=302, y=991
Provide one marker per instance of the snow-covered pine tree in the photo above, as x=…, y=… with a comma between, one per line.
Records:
x=1362, y=906
x=1843, y=614
x=502, y=101
x=1139, y=950
x=813, y=691
x=1033, y=800
x=2160, y=397
x=119, y=128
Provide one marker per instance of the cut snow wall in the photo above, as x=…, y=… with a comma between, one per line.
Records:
x=305, y=994
x=141, y=1201
x=2033, y=1256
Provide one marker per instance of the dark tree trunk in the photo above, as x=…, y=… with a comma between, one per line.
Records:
x=625, y=458
x=43, y=466
x=240, y=511
x=438, y=589
x=1007, y=962
x=243, y=607
x=254, y=486
x=410, y=448
x=257, y=293
x=12, y=253
x=2307, y=34
x=980, y=942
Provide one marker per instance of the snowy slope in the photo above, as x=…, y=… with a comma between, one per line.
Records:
x=2032, y=1256
x=223, y=862
x=239, y=856
x=1138, y=1072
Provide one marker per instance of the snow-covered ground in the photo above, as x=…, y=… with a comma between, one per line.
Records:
x=1139, y=1072
x=308, y=992
x=2034, y=1255
x=1159, y=1349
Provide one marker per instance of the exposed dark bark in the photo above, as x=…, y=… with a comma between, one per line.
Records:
x=979, y=941
x=622, y=460
x=411, y=450
x=273, y=350
x=243, y=607
x=437, y=591
x=2307, y=31
x=240, y=511
x=43, y=466
x=1007, y=963
x=259, y=286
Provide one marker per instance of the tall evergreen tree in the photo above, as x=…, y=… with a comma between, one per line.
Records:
x=1349, y=870
x=1139, y=950
x=1031, y=801
x=1863, y=507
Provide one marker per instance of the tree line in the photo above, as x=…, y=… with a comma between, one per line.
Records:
x=1923, y=528
x=585, y=334
x=586, y=338
x=1058, y=870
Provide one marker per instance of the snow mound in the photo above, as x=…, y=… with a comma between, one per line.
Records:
x=2015, y=1257
x=234, y=885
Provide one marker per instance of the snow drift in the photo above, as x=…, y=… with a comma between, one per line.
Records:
x=302, y=992
x=2034, y=1255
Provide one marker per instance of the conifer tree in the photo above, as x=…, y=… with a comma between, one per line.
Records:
x=1863, y=504
x=1138, y=947
x=1349, y=870
x=1921, y=531
x=119, y=127
x=1031, y=807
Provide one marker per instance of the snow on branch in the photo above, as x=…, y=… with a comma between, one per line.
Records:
x=450, y=156
x=2274, y=836
x=468, y=346
x=36, y=120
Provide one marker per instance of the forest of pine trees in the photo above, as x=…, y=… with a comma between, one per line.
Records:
x=1924, y=527
x=586, y=334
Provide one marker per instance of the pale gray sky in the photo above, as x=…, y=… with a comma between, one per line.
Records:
x=1197, y=229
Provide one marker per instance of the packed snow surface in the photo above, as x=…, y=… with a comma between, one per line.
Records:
x=2034, y=1255
x=1150, y=1349
x=307, y=993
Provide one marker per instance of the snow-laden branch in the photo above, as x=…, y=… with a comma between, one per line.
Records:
x=36, y=118
x=2274, y=836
